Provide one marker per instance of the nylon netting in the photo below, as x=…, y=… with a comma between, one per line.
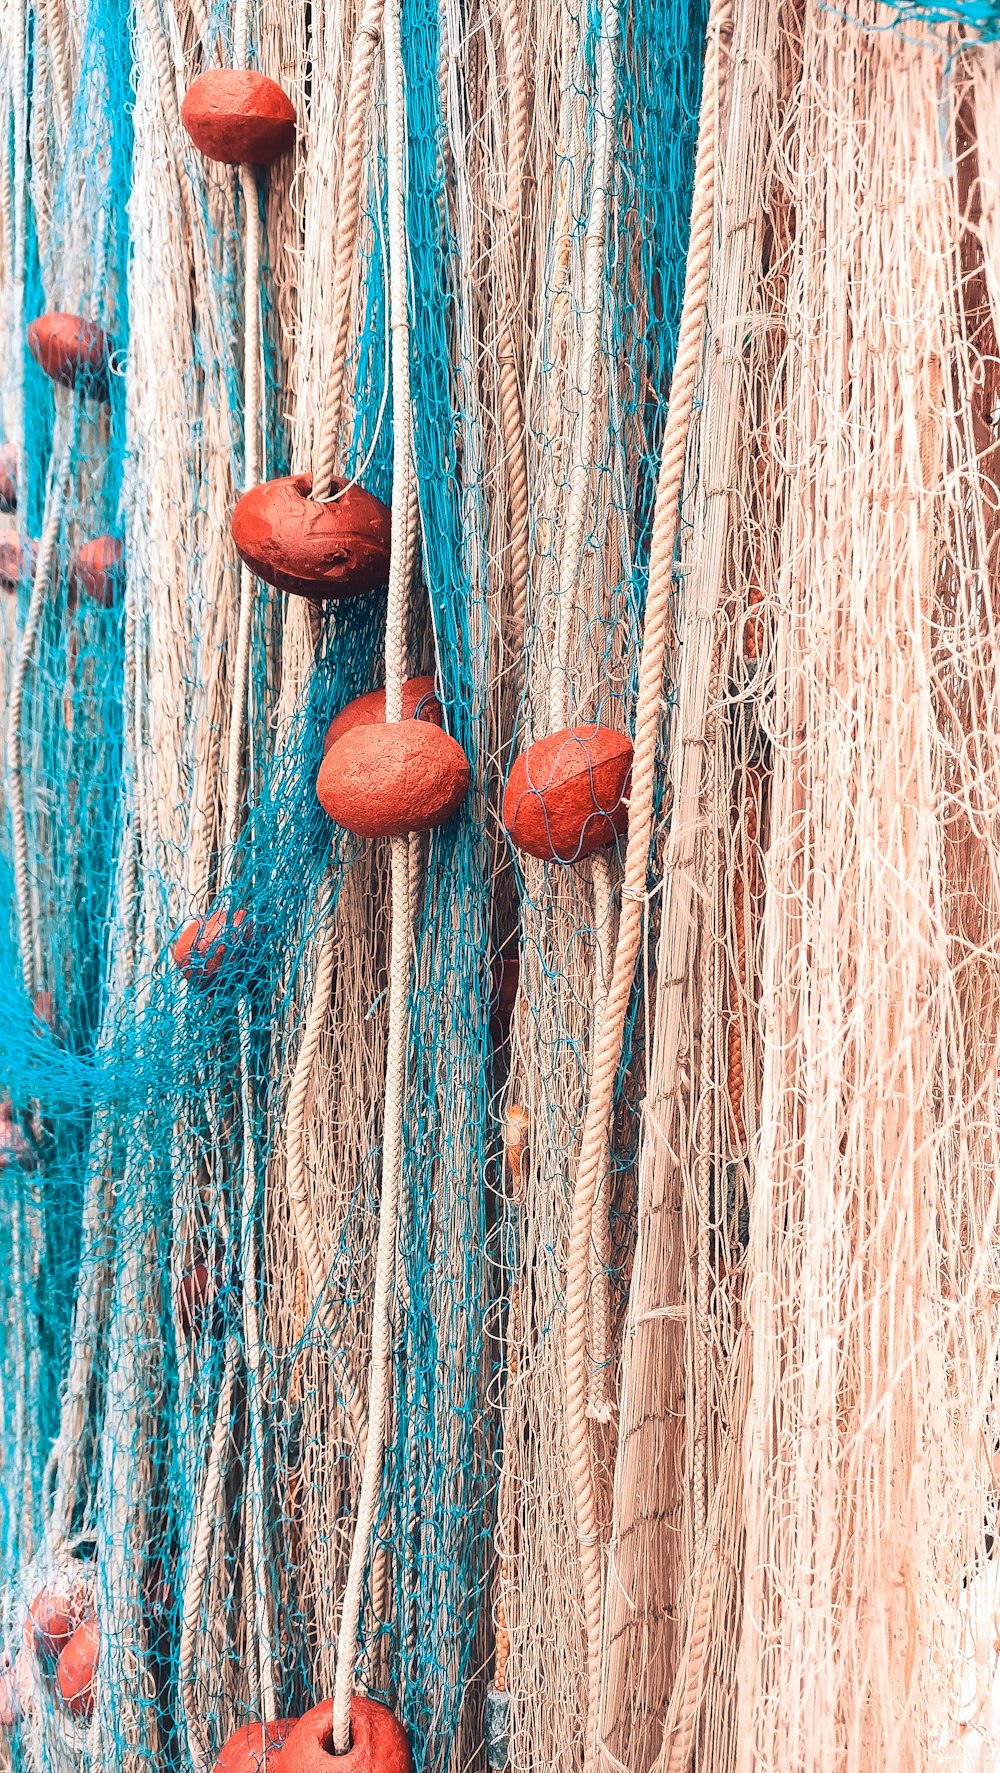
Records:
x=697, y=338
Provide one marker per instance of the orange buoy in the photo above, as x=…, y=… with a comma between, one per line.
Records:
x=194, y=1296
x=15, y=1147
x=567, y=795
x=314, y=548
x=97, y=570
x=77, y=1668
x=419, y=703
x=379, y=1744
x=8, y=477
x=17, y=561
x=238, y=117
x=53, y=1617
x=204, y=944
x=73, y=351
x=255, y=1748
x=385, y=781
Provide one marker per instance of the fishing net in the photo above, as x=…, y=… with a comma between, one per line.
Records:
x=549, y=1293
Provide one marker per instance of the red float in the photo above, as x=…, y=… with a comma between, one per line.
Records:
x=419, y=703
x=97, y=571
x=567, y=795
x=73, y=351
x=8, y=477
x=205, y=944
x=379, y=1744
x=238, y=117
x=314, y=548
x=385, y=781
x=17, y=561
x=194, y=1296
x=15, y=1147
x=77, y=1668
x=255, y=1748
x=53, y=1617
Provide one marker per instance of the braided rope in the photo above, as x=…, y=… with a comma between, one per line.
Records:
x=380, y=1369
x=608, y=1056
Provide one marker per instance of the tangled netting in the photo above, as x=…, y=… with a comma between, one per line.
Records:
x=541, y=1278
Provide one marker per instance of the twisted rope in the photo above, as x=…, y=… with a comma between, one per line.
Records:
x=380, y=1370
x=608, y=1056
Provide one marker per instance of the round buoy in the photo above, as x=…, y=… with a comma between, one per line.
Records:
x=77, y=1668
x=17, y=561
x=314, y=548
x=385, y=781
x=194, y=1296
x=419, y=703
x=255, y=1748
x=238, y=117
x=73, y=351
x=15, y=1147
x=379, y=1744
x=567, y=795
x=204, y=945
x=8, y=477
x=53, y=1617
x=97, y=570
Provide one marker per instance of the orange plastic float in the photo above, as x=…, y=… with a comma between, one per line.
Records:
x=15, y=1147
x=255, y=1748
x=8, y=477
x=314, y=548
x=97, y=571
x=53, y=1617
x=17, y=561
x=77, y=1667
x=385, y=781
x=379, y=1744
x=567, y=795
x=238, y=117
x=194, y=1296
x=419, y=703
x=205, y=944
x=73, y=351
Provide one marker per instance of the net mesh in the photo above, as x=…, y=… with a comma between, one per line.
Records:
x=789, y=1290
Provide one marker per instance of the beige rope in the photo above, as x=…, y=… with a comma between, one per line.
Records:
x=657, y=625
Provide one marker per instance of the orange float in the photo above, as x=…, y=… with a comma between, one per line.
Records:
x=97, y=570
x=238, y=117
x=567, y=795
x=17, y=561
x=386, y=781
x=314, y=548
x=8, y=477
x=255, y=1748
x=77, y=1668
x=194, y=1296
x=73, y=351
x=419, y=703
x=379, y=1744
x=15, y=1147
x=53, y=1617
x=205, y=944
